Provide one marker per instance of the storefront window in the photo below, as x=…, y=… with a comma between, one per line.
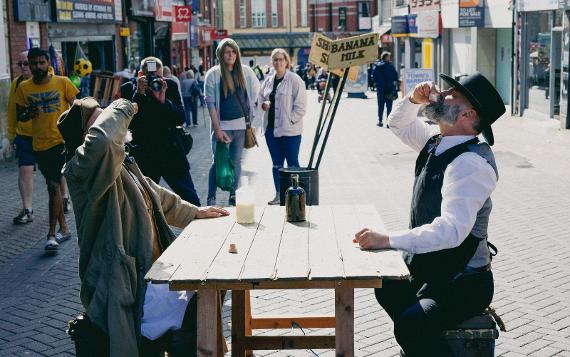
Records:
x=565, y=68
x=258, y=13
x=538, y=27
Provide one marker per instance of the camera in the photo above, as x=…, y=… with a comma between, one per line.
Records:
x=154, y=82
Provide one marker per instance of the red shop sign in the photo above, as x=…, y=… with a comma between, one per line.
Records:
x=219, y=34
x=183, y=13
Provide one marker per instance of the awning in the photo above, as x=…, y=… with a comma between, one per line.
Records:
x=264, y=41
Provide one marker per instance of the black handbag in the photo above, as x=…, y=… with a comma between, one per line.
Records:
x=185, y=139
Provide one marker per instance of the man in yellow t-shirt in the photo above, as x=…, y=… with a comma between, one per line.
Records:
x=42, y=99
x=20, y=136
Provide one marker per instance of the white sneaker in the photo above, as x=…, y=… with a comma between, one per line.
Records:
x=275, y=201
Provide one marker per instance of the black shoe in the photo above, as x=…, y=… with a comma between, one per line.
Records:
x=380, y=124
x=387, y=126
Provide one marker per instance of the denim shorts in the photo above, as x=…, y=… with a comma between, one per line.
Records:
x=51, y=162
x=24, y=150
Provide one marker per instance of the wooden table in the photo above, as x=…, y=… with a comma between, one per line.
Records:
x=275, y=254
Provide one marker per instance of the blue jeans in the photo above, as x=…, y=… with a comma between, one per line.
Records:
x=381, y=101
x=236, y=149
x=182, y=185
x=190, y=110
x=281, y=149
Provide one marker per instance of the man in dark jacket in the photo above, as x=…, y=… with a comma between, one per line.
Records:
x=385, y=76
x=156, y=145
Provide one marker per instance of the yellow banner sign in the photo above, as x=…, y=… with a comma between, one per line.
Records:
x=344, y=53
x=125, y=32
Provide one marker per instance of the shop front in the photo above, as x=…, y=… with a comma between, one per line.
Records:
x=541, y=58
x=91, y=25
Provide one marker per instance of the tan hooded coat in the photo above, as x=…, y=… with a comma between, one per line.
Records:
x=114, y=228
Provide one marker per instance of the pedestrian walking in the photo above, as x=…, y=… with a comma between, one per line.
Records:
x=156, y=145
x=446, y=249
x=20, y=136
x=200, y=76
x=41, y=100
x=284, y=100
x=230, y=91
x=385, y=77
x=191, y=94
x=123, y=223
x=170, y=75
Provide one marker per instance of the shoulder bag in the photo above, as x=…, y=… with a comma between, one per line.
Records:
x=250, y=139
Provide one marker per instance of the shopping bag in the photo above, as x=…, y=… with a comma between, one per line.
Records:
x=225, y=177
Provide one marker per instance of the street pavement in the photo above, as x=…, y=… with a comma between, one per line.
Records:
x=362, y=164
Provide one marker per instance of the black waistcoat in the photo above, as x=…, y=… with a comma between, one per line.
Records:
x=442, y=265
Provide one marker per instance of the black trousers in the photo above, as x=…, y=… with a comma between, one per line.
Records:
x=421, y=311
x=178, y=343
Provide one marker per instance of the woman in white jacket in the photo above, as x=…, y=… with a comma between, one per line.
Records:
x=284, y=99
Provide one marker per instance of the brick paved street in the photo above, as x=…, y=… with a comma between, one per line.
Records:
x=362, y=164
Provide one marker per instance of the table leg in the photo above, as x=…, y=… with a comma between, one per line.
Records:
x=248, y=329
x=238, y=322
x=344, y=314
x=208, y=302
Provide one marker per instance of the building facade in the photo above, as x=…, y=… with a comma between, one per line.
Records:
x=259, y=26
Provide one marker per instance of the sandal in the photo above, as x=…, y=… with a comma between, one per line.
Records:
x=51, y=244
x=60, y=237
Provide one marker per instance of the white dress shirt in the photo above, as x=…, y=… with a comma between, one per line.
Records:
x=468, y=181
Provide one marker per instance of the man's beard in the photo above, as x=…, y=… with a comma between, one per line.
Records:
x=39, y=74
x=128, y=137
x=440, y=112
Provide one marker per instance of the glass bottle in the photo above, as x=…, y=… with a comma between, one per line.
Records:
x=295, y=201
x=245, y=202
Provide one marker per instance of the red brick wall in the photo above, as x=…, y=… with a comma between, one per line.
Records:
x=17, y=39
x=322, y=18
x=268, y=17
x=248, y=13
x=298, y=13
x=236, y=14
x=280, y=14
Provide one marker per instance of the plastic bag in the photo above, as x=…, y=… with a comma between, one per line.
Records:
x=225, y=176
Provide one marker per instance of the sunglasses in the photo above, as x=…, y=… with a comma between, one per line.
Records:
x=23, y=64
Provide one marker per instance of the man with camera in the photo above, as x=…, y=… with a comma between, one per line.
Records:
x=156, y=145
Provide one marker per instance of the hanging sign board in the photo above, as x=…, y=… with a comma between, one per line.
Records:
x=344, y=53
x=183, y=13
x=125, y=32
x=471, y=13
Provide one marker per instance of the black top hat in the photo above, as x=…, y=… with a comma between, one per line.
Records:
x=484, y=98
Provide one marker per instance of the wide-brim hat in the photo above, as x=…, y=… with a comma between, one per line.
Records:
x=484, y=98
x=72, y=122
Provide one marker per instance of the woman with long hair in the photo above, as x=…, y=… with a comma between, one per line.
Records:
x=284, y=99
x=230, y=90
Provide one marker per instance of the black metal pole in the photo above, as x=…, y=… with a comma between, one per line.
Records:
x=337, y=100
x=320, y=124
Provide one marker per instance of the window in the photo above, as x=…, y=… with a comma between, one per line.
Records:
x=242, y=15
x=274, y=22
x=364, y=19
x=303, y=13
x=258, y=13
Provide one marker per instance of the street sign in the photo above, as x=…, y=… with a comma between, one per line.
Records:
x=414, y=76
x=344, y=53
x=183, y=13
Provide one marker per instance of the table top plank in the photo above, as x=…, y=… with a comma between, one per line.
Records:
x=208, y=237
x=169, y=261
x=293, y=256
x=262, y=256
x=228, y=266
x=356, y=262
x=324, y=254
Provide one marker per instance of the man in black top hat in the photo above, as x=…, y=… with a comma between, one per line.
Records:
x=446, y=246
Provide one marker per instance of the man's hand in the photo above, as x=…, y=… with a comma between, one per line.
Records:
x=142, y=85
x=161, y=95
x=368, y=239
x=211, y=212
x=266, y=105
x=222, y=137
x=421, y=93
x=135, y=108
